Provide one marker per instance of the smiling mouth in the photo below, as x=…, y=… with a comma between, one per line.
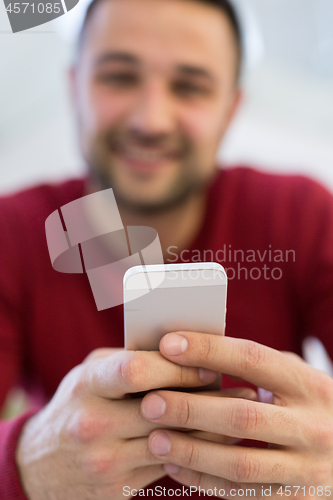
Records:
x=145, y=157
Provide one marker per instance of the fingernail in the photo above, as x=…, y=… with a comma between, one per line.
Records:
x=174, y=344
x=207, y=375
x=154, y=406
x=171, y=468
x=160, y=444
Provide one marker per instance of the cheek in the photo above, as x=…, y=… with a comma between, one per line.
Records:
x=102, y=109
x=203, y=125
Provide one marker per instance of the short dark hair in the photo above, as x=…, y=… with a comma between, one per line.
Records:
x=224, y=6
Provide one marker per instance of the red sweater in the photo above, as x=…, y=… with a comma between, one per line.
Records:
x=49, y=321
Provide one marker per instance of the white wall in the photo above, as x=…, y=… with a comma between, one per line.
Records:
x=286, y=123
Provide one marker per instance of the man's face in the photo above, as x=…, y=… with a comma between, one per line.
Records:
x=155, y=89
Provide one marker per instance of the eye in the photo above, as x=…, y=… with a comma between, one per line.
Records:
x=119, y=79
x=190, y=89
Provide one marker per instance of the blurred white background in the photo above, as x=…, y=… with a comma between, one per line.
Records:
x=286, y=123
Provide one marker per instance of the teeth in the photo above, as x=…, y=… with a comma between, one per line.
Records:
x=136, y=153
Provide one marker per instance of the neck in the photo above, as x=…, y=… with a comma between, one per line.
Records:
x=177, y=227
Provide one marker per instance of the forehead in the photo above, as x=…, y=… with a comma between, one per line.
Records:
x=162, y=32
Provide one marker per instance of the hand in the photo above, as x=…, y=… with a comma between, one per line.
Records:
x=299, y=425
x=91, y=439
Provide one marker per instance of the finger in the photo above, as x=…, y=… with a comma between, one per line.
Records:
x=127, y=372
x=119, y=460
x=222, y=488
x=234, y=463
x=124, y=420
x=216, y=438
x=101, y=353
x=234, y=392
x=140, y=478
x=248, y=360
x=135, y=453
x=121, y=420
x=293, y=355
x=237, y=418
x=135, y=425
x=194, y=480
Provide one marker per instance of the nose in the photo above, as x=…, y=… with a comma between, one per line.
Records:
x=152, y=113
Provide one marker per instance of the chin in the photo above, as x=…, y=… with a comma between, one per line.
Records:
x=142, y=204
x=144, y=190
x=151, y=204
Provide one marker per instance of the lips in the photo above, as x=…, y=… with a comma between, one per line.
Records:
x=145, y=158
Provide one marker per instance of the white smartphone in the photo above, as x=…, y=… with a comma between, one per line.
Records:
x=159, y=299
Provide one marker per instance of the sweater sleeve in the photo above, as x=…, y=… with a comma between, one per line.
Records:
x=10, y=485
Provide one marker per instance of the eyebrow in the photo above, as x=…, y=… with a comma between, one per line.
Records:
x=126, y=57
x=116, y=57
x=195, y=71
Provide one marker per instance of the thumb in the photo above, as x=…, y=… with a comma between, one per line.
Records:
x=103, y=352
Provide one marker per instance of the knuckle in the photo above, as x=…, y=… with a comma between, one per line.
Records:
x=134, y=372
x=190, y=455
x=204, y=481
x=95, y=375
x=253, y=355
x=76, y=383
x=82, y=428
x=95, y=463
x=183, y=411
x=197, y=478
x=319, y=472
x=184, y=375
x=247, y=469
x=324, y=437
x=205, y=347
x=86, y=427
x=324, y=387
x=319, y=435
x=246, y=418
x=200, y=480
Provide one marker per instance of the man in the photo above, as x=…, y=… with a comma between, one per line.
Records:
x=155, y=87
